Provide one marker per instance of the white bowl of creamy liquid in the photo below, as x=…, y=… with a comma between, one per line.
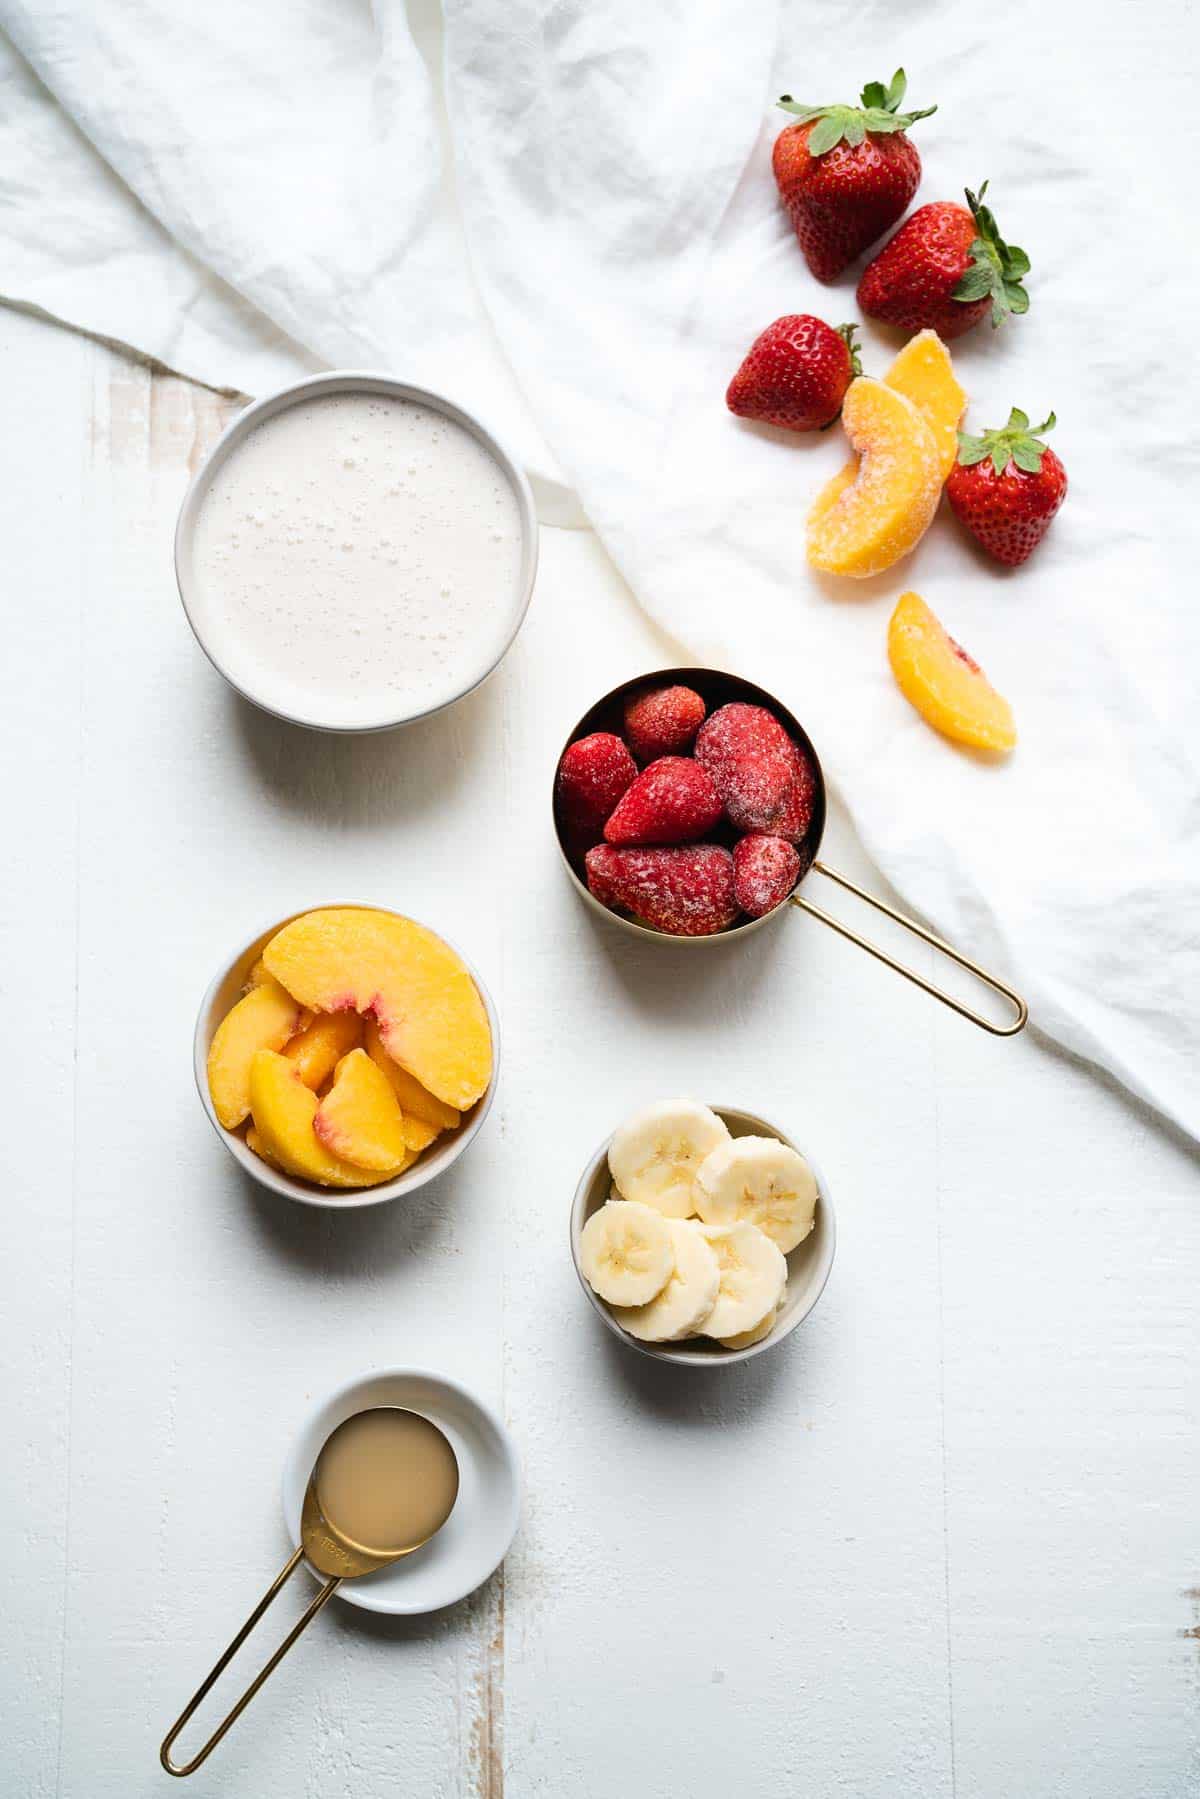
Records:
x=356, y=552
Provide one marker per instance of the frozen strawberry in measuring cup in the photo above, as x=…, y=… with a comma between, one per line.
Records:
x=662, y=721
x=764, y=779
x=672, y=801
x=686, y=891
x=765, y=869
x=592, y=776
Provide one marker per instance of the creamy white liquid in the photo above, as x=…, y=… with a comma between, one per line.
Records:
x=356, y=560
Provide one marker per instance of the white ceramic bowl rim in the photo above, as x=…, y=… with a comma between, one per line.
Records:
x=430, y=1165
x=336, y=381
x=369, y=1594
x=680, y=1353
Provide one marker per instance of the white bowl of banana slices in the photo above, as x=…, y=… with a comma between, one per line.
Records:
x=701, y=1234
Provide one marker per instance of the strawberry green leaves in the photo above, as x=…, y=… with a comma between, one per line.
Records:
x=886, y=99
x=849, y=336
x=996, y=269
x=1015, y=443
x=877, y=113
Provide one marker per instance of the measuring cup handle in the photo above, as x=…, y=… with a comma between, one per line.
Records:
x=280, y=1581
x=1020, y=1009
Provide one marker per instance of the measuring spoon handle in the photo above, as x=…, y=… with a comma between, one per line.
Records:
x=280, y=1581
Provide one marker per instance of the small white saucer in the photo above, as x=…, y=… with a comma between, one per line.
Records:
x=474, y=1539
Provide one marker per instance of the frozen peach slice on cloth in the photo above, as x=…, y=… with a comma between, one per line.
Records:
x=360, y=1118
x=317, y=1050
x=924, y=374
x=284, y=1110
x=948, y=688
x=874, y=512
x=264, y=1018
x=431, y=1017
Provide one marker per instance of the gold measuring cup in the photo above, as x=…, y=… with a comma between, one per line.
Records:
x=385, y=1482
x=717, y=688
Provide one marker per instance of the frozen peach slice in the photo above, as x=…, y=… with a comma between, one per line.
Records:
x=431, y=1017
x=255, y=1142
x=874, y=512
x=284, y=1110
x=424, y=1116
x=948, y=688
x=264, y=1018
x=924, y=374
x=360, y=1118
x=418, y=1135
x=317, y=1050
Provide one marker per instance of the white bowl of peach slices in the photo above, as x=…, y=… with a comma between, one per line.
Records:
x=346, y=1056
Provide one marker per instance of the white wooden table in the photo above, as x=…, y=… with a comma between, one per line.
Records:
x=943, y=1542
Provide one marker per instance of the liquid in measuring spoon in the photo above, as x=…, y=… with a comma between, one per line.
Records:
x=386, y=1480
x=357, y=558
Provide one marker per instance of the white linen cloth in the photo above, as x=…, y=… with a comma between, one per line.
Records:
x=247, y=191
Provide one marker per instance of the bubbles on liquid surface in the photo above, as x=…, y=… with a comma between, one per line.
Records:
x=394, y=537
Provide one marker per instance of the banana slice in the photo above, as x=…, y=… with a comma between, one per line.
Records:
x=626, y=1253
x=655, y=1154
x=744, y=1339
x=753, y=1277
x=688, y=1296
x=762, y=1181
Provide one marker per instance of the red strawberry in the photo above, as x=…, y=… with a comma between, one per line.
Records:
x=592, y=776
x=1006, y=487
x=662, y=721
x=765, y=869
x=795, y=815
x=845, y=173
x=765, y=782
x=946, y=267
x=686, y=891
x=796, y=373
x=672, y=801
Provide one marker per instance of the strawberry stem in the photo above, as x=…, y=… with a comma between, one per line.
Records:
x=877, y=113
x=849, y=336
x=1015, y=442
x=996, y=269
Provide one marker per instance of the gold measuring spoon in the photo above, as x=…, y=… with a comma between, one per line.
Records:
x=385, y=1482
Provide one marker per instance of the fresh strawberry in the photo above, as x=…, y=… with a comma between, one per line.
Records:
x=1006, y=487
x=592, y=776
x=662, y=721
x=944, y=270
x=686, y=891
x=845, y=173
x=672, y=801
x=765, y=782
x=796, y=373
x=765, y=869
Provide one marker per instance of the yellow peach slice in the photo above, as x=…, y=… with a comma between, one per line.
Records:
x=417, y=1134
x=924, y=374
x=284, y=1110
x=873, y=513
x=264, y=1018
x=424, y=1116
x=431, y=1017
x=255, y=1142
x=317, y=1050
x=360, y=1118
x=948, y=688
x=258, y=974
